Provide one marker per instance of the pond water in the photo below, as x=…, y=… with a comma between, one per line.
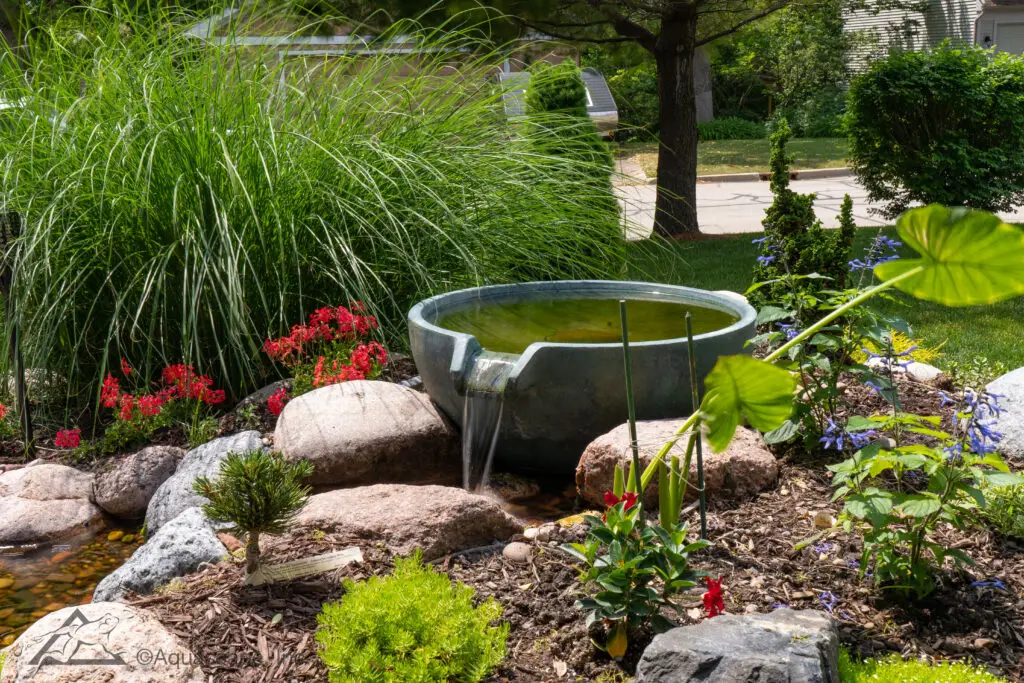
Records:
x=510, y=328
x=37, y=581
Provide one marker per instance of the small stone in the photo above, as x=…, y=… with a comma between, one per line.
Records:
x=823, y=519
x=546, y=532
x=6, y=583
x=885, y=443
x=517, y=552
x=924, y=373
x=267, y=441
x=60, y=578
x=115, y=535
x=128, y=538
x=981, y=643
x=750, y=609
x=54, y=606
x=531, y=533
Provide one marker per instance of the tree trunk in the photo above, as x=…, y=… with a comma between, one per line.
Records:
x=676, y=208
x=252, y=552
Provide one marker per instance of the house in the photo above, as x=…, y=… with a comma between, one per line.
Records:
x=990, y=23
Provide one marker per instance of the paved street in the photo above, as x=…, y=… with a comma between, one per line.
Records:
x=738, y=207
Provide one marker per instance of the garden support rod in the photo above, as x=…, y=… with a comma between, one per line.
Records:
x=630, y=402
x=9, y=230
x=695, y=393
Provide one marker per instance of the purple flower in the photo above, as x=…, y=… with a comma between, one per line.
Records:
x=829, y=600
x=779, y=605
x=992, y=583
x=882, y=249
x=790, y=329
x=824, y=547
x=766, y=259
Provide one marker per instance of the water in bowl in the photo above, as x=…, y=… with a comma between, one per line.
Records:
x=510, y=328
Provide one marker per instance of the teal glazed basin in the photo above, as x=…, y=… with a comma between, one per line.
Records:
x=559, y=394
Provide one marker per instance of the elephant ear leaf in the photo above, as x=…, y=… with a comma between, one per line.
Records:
x=967, y=257
x=742, y=388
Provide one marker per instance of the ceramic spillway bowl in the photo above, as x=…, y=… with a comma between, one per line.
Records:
x=560, y=395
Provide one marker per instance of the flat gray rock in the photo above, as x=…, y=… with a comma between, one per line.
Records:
x=175, y=495
x=177, y=549
x=1011, y=422
x=125, y=490
x=785, y=646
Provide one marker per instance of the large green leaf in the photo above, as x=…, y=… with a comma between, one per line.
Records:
x=967, y=257
x=741, y=387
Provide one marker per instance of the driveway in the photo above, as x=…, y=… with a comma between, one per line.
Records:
x=738, y=207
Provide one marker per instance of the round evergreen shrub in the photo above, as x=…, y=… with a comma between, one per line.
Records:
x=413, y=626
x=944, y=126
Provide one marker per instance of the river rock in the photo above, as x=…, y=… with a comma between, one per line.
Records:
x=1010, y=388
x=785, y=646
x=259, y=397
x=45, y=502
x=102, y=641
x=175, y=495
x=178, y=548
x=924, y=373
x=367, y=432
x=437, y=519
x=126, y=490
x=743, y=469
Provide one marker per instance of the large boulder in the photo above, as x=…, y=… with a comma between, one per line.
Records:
x=46, y=502
x=437, y=519
x=176, y=495
x=743, y=469
x=785, y=646
x=102, y=641
x=1010, y=388
x=366, y=432
x=125, y=491
x=177, y=549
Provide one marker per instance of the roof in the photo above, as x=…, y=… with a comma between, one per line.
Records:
x=600, y=101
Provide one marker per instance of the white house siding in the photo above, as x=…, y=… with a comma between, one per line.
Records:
x=1002, y=28
x=953, y=19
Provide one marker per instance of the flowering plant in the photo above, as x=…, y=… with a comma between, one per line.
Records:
x=330, y=349
x=714, y=602
x=68, y=438
x=631, y=569
x=182, y=396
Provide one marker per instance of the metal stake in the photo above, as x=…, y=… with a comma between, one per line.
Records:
x=695, y=393
x=630, y=403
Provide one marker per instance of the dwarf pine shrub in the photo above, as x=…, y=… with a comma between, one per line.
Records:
x=413, y=626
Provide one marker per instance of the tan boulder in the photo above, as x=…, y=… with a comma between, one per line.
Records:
x=743, y=469
x=437, y=519
x=102, y=641
x=47, y=482
x=368, y=432
x=46, y=502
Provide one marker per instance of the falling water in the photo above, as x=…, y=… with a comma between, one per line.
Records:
x=481, y=415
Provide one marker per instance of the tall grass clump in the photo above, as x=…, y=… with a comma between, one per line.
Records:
x=184, y=198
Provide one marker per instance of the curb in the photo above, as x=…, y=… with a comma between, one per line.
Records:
x=808, y=174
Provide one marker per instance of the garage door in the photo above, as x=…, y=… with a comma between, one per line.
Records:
x=1010, y=38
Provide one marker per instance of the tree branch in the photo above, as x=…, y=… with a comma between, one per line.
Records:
x=749, y=20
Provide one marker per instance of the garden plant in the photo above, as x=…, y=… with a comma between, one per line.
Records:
x=257, y=493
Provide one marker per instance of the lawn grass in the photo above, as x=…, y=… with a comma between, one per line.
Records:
x=993, y=332
x=743, y=156
x=892, y=669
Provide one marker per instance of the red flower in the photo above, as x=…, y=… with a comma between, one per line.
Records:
x=150, y=405
x=611, y=499
x=127, y=407
x=68, y=438
x=3, y=411
x=110, y=394
x=275, y=404
x=125, y=368
x=714, y=604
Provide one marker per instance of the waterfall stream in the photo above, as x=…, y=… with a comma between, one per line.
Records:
x=481, y=415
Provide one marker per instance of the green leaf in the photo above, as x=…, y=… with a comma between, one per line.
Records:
x=1003, y=479
x=741, y=387
x=770, y=314
x=919, y=505
x=967, y=257
x=787, y=431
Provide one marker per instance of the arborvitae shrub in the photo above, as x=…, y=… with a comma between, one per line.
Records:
x=413, y=626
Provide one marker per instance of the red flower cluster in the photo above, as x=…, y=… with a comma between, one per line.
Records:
x=68, y=438
x=362, y=362
x=181, y=381
x=611, y=499
x=3, y=411
x=326, y=325
x=275, y=404
x=714, y=604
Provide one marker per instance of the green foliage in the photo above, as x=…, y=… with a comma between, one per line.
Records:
x=965, y=267
x=556, y=88
x=730, y=128
x=413, y=626
x=743, y=389
x=943, y=126
x=1005, y=510
x=258, y=493
x=796, y=242
x=181, y=205
x=635, y=90
x=630, y=569
x=892, y=669
x=975, y=372
x=201, y=430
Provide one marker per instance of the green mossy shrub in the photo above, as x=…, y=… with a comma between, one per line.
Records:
x=413, y=626
x=796, y=241
x=635, y=90
x=1004, y=512
x=895, y=670
x=943, y=126
x=731, y=128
